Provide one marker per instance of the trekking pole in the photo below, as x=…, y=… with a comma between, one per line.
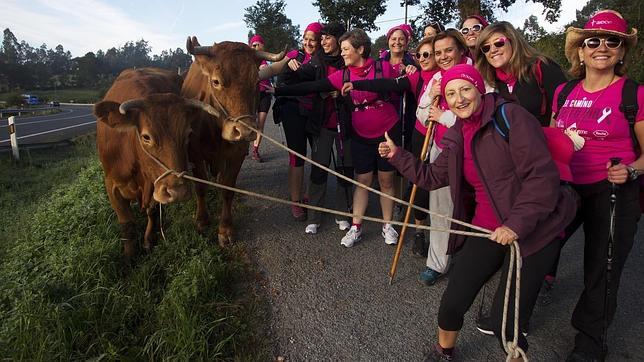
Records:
x=401, y=238
x=614, y=161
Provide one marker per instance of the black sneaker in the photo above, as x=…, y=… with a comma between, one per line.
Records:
x=484, y=325
x=435, y=355
x=421, y=247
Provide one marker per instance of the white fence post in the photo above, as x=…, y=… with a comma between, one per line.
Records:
x=14, y=140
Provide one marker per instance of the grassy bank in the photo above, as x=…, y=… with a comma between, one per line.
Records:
x=62, y=95
x=65, y=294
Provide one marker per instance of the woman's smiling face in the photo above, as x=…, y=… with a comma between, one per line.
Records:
x=462, y=97
x=447, y=53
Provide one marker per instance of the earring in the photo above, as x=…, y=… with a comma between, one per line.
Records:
x=581, y=62
x=621, y=62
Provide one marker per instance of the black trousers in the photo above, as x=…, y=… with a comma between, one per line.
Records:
x=593, y=308
x=294, y=130
x=474, y=265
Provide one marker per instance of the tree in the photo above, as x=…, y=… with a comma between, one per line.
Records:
x=532, y=31
x=352, y=13
x=379, y=44
x=447, y=11
x=267, y=19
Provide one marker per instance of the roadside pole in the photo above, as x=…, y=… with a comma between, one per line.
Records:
x=14, y=140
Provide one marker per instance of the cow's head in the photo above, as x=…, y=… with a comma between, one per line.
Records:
x=231, y=71
x=163, y=123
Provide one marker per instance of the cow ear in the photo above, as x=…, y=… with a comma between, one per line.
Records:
x=108, y=113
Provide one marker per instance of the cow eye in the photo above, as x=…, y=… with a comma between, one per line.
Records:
x=146, y=138
x=215, y=82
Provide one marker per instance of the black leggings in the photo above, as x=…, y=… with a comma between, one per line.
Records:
x=474, y=265
x=294, y=130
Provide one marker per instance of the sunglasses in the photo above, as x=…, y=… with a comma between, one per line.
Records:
x=255, y=45
x=612, y=42
x=424, y=55
x=499, y=43
x=475, y=28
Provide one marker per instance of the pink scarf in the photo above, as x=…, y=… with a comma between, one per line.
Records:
x=506, y=78
x=363, y=70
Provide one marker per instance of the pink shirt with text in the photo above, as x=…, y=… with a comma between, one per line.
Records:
x=597, y=117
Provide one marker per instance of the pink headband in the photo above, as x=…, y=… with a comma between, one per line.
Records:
x=256, y=39
x=405, y=28
x=465, y=72
x=314, y=27
x=606, y=20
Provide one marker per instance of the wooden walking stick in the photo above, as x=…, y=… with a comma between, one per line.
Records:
x=401, y=238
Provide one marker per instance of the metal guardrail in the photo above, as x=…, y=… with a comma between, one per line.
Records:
x=19, y=111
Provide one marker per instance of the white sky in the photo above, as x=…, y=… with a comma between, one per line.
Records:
x=81, y=26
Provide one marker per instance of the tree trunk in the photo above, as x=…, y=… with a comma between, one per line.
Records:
x=469, y=7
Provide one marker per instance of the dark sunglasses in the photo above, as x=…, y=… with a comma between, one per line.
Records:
x=424, y=55
x=475, y=28
x=612, y=42
x=255, y=45
x=499, y=43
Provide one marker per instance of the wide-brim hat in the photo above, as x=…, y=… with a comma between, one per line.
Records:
x=604, y=22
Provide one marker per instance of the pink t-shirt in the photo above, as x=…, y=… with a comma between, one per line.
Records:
x=597, y=117
x=484, y=215
x=265, y=84
x=378, y=116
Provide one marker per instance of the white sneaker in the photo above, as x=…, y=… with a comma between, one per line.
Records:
x=390, y=234
x=353, y=236
x=343, y=224
x=312, y=228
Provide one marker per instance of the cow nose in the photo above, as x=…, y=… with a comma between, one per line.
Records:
x=174, y=193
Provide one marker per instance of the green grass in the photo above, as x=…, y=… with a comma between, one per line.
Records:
x=62, y=95
x=65, y=293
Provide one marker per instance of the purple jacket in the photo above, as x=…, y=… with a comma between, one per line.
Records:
x=519, y=176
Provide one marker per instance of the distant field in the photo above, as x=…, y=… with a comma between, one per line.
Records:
x=62, y=95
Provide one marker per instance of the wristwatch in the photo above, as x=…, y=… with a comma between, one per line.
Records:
x=633, y=173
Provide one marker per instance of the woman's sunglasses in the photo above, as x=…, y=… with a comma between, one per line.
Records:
x=424, y=55
x=499, y=43
x=474, y=28
x=612, y=42
x=255, y=45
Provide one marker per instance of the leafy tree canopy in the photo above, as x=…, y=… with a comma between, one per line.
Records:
x=352, y=13
x=267, y=19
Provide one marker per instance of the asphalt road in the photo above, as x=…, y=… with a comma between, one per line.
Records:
x=333, y=303
x=73, y=120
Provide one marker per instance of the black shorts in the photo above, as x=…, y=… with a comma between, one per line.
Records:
x=264, y=104
x=367, y=159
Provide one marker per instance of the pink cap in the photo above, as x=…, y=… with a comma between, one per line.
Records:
x=256, y=39
x=606, y=20
x=465, y=72
x=405, y=28
x=562, y=149
x=314, y=27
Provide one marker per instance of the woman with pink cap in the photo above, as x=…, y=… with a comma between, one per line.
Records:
x=293, y=113
x=257, y=42
x=514, y=188
x=593, y=105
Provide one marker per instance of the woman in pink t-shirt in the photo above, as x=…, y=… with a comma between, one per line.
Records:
x=371, y=116
x=592, y=109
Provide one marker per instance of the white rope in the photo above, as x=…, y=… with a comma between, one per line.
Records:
x=512, y=348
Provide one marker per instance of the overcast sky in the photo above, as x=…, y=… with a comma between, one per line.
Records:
x=89, y=25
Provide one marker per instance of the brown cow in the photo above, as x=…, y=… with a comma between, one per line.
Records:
x=143, y=118
x=224, y=76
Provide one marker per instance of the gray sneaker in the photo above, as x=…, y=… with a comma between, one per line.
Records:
x=390, y=234
x=353, y=236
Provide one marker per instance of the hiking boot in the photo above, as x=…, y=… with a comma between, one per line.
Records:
x=353, y=236
x=421, y=246
x=298, y=212
x=343, y=224
x=545, y=295
x=312, y=228
x=255, y=155
x=484, y=325
x=429, y=276
x=437, y=355
x=390, y=234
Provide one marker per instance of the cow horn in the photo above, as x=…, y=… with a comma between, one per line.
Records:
x=204, y=106
x=194, y=48
x=272, y=57
x=272, y=69
x=131, y=104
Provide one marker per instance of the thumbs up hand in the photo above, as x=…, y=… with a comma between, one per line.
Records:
x=388, y=148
